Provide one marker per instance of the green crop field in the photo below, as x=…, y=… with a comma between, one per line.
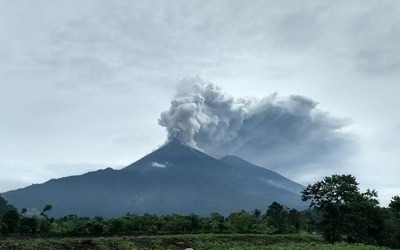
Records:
x=175, y=242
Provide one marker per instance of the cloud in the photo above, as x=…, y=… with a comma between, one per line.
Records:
x=278, y=132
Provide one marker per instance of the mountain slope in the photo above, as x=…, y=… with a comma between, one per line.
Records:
x=173, y=179
x=247, y=169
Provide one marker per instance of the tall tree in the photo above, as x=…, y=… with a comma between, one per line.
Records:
x=257, y=213
x=277, y=217
x=295, y=220
x=4, y=206
x=394, y=205
x=28, y=225
x=346, y=213
x=45, y=209
x=10, y=221
x=392, y=224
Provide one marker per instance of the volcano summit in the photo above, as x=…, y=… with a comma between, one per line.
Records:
x=173, y=179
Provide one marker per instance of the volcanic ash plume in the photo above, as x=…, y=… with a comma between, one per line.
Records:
x=273, y=131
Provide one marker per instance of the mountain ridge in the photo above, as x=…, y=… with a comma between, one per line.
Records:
x=175, y=178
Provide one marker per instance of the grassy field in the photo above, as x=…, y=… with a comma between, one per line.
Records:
x=175, y=242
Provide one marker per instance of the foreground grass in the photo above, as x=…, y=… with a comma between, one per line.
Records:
x=175, y=242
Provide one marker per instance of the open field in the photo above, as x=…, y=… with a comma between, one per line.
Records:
x=175, y=242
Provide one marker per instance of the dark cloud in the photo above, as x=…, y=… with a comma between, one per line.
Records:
x=278, y=132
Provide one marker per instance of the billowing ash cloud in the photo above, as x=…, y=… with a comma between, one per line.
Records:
x=278, y=132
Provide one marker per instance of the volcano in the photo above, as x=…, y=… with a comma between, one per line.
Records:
x=175, y=178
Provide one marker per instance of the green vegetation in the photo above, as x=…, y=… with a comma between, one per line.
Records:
x=338, y=211
x=277, y=219
x=175, y=242
x=346, y=213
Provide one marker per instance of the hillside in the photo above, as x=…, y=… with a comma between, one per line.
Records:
x=173, y=179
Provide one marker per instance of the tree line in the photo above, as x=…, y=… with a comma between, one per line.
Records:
x=338, y=211
x=276, y=219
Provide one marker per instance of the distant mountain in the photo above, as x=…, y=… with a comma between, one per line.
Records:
x=173, y=179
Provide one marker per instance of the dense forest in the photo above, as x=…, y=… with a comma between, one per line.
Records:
x=338, y=211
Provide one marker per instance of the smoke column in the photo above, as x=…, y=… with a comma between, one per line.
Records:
x=278, y=132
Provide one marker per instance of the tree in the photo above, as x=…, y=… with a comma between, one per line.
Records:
x=392, y=224
x=10, y=221
x=277, y=216
x=44, y=221
x=45, y=209
x=256, y=213
x=242, y=221
x=115, y=225
x=295, y=220
x=346, y=213
x=394, y=205
x=28, y=225
x=194, y=222
x=217, y=222
x=5, y=206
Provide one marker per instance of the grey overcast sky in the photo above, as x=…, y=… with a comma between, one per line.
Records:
x=83, y=82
